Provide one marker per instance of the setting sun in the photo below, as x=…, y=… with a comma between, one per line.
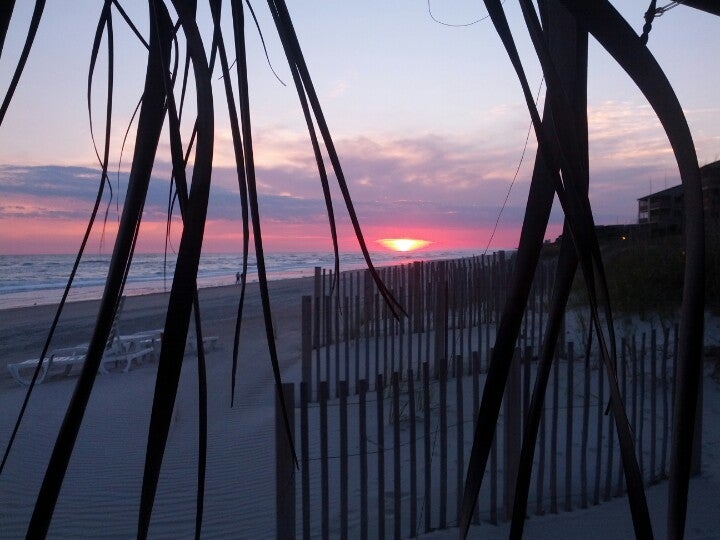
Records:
x=403, y=244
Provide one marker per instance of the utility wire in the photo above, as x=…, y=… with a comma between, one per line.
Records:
x=517, y=170
x=455, y=25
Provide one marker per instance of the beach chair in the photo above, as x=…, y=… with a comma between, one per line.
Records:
x=119, y=350
x=143, y=340
x=126, y=349
x=209, y=343
x=65, y=359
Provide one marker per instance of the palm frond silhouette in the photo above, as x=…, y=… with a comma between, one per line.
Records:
x=559, y=34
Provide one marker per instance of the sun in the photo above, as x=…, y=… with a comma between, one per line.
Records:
x=403, y=244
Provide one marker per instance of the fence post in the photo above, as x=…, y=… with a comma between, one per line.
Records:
x=460, y=467
x=306, y=348
x=443, y=443
x=511, y=434
x=362, y=405
x=440, y=317
x=554, y=433
x=397, y=473
x=305, y=453
x=427, y=447
x=653, y=406
x=696, y=462
x=379, y=385
x=323, y=395
x=666, y=419
x=413, y=452
x=474, y=408
x=316, y=332
x=343, y=391
x=569, y=425
x=285, y=466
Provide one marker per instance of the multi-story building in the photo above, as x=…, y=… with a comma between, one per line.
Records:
x=662, y=209
x=664, y=212
x=711, y=192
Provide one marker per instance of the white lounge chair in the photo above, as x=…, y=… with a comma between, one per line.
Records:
x=209, y=343
x=148, y=339
x=119, y=350
x=65, y=359
x=124, y=349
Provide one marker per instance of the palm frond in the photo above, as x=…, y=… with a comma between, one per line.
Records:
x=568, y=158
x=295, y=56
x=6, y=10
x=614, y=34
x=105, y=21
x=215, y=6
x=246, y=129
x=32, y=31
x=182, y=292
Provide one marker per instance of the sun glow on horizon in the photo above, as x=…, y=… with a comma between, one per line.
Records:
x=403, y=244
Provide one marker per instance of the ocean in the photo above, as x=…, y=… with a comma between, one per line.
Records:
x=27, y=280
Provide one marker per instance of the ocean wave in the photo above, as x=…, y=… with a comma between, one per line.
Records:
x=27, y=280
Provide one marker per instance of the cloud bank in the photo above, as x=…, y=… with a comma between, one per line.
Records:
x=442, y=185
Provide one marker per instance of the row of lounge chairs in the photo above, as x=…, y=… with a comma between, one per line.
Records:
x=121, y=351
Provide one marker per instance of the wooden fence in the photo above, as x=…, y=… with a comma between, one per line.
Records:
x=452, y=310
x=386, y=422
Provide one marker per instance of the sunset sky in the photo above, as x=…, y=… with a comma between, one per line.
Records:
x=428, y=119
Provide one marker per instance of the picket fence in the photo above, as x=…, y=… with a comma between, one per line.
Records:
x=386, y=421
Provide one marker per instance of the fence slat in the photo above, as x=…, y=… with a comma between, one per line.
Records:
x=666, y=418
x=305, y=453
x=585, y=432
x=335, y=303
x=443, y=444
x=653, y=405
x=475, y=408
x=599, y=433
x=327, y=330
x=641, y=435
x=380, y=455
x=343, y=390
x=324, y=475
x=413, y=453
x=569, y=426
x=306, y=339
x=623, y=380
x=397, y=472
x=554, y=435
x=426, y=440
x=346, y=344
x=493, y=481
x=362, y=412
x=512, y=403
x=285, y=467
x=460, y=468
x=540, y=480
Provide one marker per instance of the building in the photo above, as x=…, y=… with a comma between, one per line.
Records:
x=710, y=175
x=662, y=209
x=664, y=212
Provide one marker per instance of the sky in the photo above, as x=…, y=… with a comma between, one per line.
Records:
x=428, y=119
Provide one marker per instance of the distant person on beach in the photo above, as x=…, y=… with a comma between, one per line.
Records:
x=237, y=278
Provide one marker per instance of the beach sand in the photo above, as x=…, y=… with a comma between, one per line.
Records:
x=101, y=491
x=100, y=496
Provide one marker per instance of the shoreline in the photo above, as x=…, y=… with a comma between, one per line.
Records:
x=40, y=280
x=24, y=329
